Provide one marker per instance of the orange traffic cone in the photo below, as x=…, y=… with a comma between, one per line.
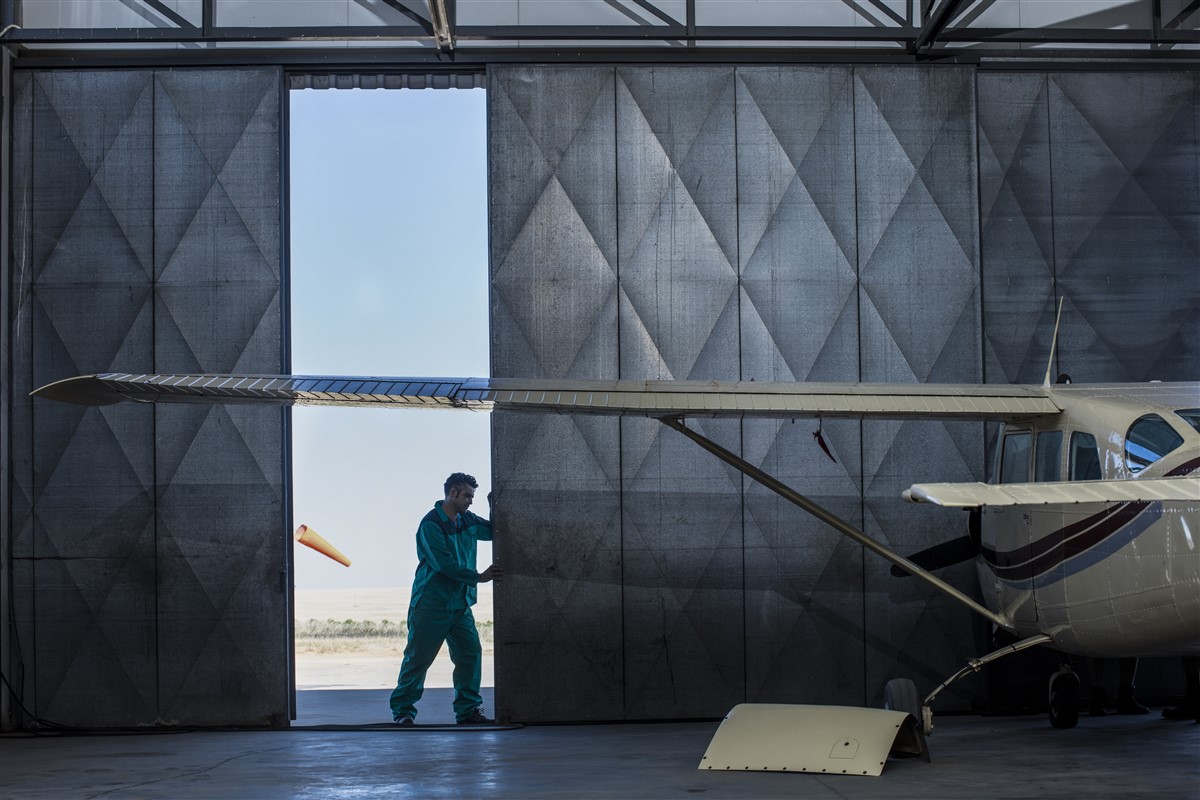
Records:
x=306, y=535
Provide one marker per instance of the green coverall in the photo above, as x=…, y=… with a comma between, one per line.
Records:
x=440, y=611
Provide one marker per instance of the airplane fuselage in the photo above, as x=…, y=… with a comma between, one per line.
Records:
x=1106, y=578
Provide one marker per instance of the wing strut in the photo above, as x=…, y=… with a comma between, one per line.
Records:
x=834, y=521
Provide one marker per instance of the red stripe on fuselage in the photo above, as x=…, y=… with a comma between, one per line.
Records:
x=1052, y=549
x=1186, y=468
x=1048, y=544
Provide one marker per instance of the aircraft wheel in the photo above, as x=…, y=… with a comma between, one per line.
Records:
x=900, y=694
x=1064, y=700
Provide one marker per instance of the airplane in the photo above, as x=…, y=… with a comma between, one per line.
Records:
x=1087, y=541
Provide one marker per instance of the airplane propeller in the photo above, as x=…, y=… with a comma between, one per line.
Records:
x=947, y=554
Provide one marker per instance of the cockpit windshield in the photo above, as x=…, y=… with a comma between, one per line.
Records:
x=1191, y=416
x=1149, y=438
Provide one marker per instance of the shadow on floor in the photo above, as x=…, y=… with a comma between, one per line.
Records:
x=369, y=707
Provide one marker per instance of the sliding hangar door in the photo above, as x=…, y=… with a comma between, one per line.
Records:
x=853, y=222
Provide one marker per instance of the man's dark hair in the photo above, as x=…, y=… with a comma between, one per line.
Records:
x=459, y=479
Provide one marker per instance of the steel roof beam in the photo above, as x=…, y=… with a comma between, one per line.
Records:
x=646, y=6
x=424, y=56
x=879, y=6
x=585, y=34
x=443, y=33
x=1066, y=36
x=168, y=14
x=764, y=33
x=936, y=20
x=1182, y=16
x=424, y=24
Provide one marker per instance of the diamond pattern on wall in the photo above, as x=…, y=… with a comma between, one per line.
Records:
x=581, y=285
x=1126, y=171
x=18, y=316
x=739, y=250
x=553, y=242
x=213, y=162
x=799, y=321
x=219, y=566
x=919, y=306
x=1017, y=234
x=155, y=213
x=220, y=513
x=95, y=185
x=682, y=554
x=917, y=245
x=676, y=213
x=118, y=315
x=677, y=191
x=86, y=305
x=554, y=131
x=553, y=260
x=679, y=244
x=803, y=581
x=1094, y=173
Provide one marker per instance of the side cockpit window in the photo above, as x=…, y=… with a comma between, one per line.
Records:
x=1149, y=438
x=1048, y=455
x=1085, y=458
x=1014, y=458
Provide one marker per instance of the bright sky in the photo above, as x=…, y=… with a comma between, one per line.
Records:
x=389, y=277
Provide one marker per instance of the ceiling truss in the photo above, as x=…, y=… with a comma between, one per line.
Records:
x=431, y=30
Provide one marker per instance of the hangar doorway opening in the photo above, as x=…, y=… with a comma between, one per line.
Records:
x=388, y=239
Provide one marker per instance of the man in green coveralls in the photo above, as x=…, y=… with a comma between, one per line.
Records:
x=440, y=608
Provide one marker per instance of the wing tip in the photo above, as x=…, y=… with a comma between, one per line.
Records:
x=83, y=390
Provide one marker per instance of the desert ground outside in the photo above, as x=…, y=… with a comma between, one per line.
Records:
x=335, y=658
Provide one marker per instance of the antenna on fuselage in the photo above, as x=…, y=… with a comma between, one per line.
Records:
x=1053, y=343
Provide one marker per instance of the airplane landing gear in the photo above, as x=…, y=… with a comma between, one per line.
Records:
x=1064, y=697
x=900, y=694
x=973, y=665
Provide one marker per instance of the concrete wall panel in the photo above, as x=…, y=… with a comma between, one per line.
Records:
x=558, y=630
x=676, y=215
x=152, y=225
x=88, y=485
x=681, y=512
x=796, y=222
x=554, y=313
x=830, y=223
x=1017, y=234
x=748, y=248
x=683, y=576
x=17, y=659
x=1088, y=184
x=919, y=269
x=220, y=510
x=1126, y=174
x=804, y=598
x=799, y=315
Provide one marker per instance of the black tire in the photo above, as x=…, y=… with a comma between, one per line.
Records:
x=1064, y=700
x=900, y=694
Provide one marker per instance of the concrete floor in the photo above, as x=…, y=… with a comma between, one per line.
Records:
x=973, y=757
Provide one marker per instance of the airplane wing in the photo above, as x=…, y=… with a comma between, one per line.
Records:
x=657, y=399
x=971, y=495
x=668, y=401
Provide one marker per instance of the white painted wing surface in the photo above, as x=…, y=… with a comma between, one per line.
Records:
x=971, y=495
x=627, y=398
